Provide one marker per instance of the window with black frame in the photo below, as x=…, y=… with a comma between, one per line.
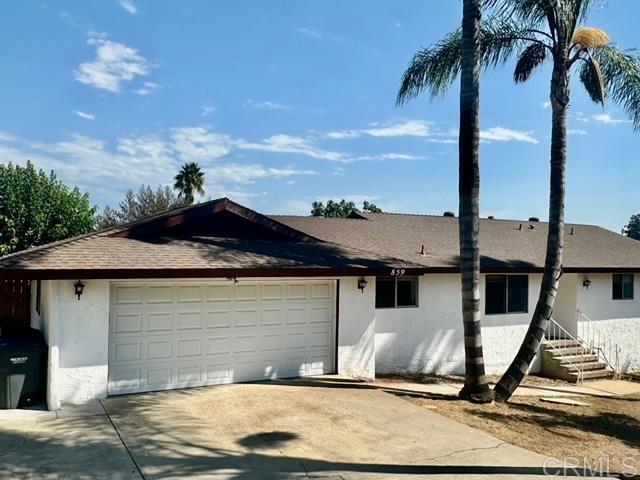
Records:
x=622, y=288
x=506, y=294
x=396, y=292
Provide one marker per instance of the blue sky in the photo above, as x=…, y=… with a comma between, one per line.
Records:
x=287, y=102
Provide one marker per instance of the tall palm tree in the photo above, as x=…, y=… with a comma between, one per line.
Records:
x=189, y=180
x=540, y=30
x=476, y=388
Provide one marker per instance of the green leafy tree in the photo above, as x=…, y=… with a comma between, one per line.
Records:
x=189, y=181
x=632, y=229
x=136, y=205
x=341, y=209
x=36, y=208
x=370, y=207
x=426, y=71
x=540, y=31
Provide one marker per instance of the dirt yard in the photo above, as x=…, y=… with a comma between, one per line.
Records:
x=608, y=430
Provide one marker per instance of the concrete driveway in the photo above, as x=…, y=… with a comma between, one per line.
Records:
x=321, y=428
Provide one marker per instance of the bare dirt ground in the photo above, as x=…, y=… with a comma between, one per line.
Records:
x=608, y=430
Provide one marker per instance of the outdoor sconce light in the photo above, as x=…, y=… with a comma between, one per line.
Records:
x=79, y=288
x=586, y=283
x=232, y=279
x=361, y=284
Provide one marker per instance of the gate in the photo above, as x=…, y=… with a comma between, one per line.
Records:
x=15, y=300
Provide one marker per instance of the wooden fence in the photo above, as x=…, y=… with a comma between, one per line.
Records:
x=15, y=300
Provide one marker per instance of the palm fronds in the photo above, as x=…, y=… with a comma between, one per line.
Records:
x=592, y=79
x=621, y=69
x=435, y=68
x=531, y=57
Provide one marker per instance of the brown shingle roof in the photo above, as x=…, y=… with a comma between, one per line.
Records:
x=170, y=245
x=504, y=244
x=155, y=247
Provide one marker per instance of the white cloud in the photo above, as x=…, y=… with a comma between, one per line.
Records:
x=546, y=105
x=207, y=110
x=390, y=156
x=250, y=173
x=576, y=131
x=267, y=105
x=501, y=134
x=86, y=116
x=7, y=137
x=115, y=64
x=314, y=33
x=607, y=119
x=292, y=144
x=198, y=143
x=108, y=169
x=147, y=88
x=408, y=128
x=129, y=6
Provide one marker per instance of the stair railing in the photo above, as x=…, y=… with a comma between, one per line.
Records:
x=555, y=331
x=600, y=342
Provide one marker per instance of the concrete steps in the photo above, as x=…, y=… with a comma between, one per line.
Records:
x=564, y=359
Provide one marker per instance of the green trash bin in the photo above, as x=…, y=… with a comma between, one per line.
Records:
x=23, y=369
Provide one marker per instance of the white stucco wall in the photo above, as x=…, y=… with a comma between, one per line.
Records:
x=618, y=319
x=357, y=328
x=77, y=333
x=429, y=338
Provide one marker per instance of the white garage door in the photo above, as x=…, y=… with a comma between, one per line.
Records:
x=175, y=335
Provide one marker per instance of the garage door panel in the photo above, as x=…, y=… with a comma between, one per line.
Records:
x=189, y=320
x=158, y=321
x=296, y=316
x=245, y=344
x=159, y=294
x=189, y=347
x=219, y=318
x=320, y=291
x=158, y=376
x=273, y=292
x=271, y=317
x=128, y=295
x=218, y=345
x=246, y=293
x=190, y=294
x=297, y=291
x=127, y=322
x=174, y=335
x=158, y=349
x=190, y=374
x=127, y=351
x=247, y=317
x=218, y=293
x=271, y=342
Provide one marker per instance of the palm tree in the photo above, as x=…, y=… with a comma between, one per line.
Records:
x=189, y=180
x=540, y=30
x=476, y=388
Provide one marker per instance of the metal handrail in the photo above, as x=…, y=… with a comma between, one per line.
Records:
x=555, y=331
x=608, y=350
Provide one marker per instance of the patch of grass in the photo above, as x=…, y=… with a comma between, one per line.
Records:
x=609, y=428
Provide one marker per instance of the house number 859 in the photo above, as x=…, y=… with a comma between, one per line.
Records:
x=397, y=272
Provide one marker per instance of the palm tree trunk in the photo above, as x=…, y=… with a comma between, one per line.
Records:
x=476, y=388
x=555, y=238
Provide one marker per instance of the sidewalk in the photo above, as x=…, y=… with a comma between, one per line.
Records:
x=602, y=388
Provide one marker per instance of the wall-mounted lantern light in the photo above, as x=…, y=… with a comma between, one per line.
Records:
x=362, y=283
x=79, y=288
x=232, y=279
x=586, y=283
